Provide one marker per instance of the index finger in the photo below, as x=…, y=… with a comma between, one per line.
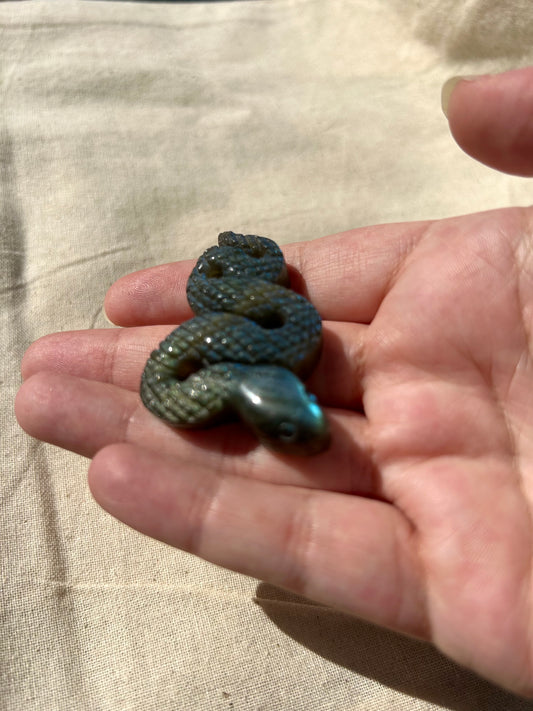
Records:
x=344, y=275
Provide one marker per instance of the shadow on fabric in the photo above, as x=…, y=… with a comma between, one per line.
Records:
x=403, y=664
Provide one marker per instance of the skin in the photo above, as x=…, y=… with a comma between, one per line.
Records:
x=490, y=119
x=418, y=517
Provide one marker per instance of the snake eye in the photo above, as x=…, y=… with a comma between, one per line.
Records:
x=287, y=431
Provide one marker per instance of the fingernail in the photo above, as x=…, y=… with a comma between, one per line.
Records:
x=104, y=312
x=449, y=86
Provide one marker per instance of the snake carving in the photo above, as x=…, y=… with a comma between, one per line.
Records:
x=244, y=352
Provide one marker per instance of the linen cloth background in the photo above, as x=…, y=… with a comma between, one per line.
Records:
x=130, y=135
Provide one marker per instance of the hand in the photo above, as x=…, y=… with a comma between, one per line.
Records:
x=419, y=516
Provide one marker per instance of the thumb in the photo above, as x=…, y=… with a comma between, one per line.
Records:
x=491, y=118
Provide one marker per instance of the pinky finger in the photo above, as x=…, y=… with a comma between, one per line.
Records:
x=350, y=552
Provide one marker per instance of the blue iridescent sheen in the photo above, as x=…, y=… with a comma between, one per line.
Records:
x=244, y=353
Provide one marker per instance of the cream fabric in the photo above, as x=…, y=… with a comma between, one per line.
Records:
x=131, y=134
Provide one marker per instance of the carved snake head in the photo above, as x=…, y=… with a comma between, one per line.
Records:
x=283, y=415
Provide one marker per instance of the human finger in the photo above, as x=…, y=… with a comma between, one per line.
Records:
x=118, y=356
x=353, y=553
x=490, y=118
x=150, y=296
x=84, y=416
x=344, y=275
x=108, y=355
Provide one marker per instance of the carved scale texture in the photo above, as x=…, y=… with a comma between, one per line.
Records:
x=245, y=316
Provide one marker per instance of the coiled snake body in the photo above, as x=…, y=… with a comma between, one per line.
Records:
x=243, y=353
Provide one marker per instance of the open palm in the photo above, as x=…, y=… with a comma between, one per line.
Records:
x=419, y=515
